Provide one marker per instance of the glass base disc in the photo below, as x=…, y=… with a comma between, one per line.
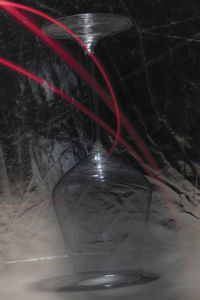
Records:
x=96, y=281
x=86, y=25
x=89, y=27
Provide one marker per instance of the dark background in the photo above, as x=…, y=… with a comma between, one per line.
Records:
x=154, y=69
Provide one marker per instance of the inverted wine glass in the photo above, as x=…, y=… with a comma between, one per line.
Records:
x=102, y=203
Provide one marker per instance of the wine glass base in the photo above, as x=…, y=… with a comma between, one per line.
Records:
x=89, y=27
x=97, y=281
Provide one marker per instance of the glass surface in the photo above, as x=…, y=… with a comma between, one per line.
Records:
x=89, y=27
x=96, y=281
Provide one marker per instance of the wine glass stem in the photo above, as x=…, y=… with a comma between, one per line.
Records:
x=95, y=104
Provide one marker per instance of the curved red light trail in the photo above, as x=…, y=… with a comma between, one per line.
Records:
x=25, y=21
x=22, y=18
x=8, y=6
x=41, y=81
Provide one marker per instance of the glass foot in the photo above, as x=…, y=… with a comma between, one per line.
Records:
x=89, y=27
x=96, y=281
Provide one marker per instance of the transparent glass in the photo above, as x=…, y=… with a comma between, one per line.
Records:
x=102, y=204
x=90, y=27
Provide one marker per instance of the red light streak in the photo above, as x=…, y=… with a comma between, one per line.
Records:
x=25, y=21
x=41, y=81
x=57, y=48
x=22, y=18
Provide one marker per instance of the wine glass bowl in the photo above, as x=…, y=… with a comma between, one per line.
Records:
x=102, y=206
x=101, y=203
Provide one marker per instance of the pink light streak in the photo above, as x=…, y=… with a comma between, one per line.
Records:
x=22, y=18
x=71, y=61
x=41, y=81
x=25, y=21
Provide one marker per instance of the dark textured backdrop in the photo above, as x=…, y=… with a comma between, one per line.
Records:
x=155, y=70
